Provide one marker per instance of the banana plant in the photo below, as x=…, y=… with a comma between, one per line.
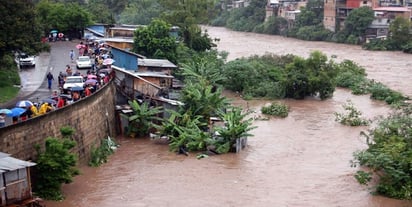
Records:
x=236, y=126
x=142, y=119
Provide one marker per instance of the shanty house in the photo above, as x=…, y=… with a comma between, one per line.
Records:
x=15, y=185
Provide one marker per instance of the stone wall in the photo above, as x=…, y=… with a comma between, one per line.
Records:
x=93, y=119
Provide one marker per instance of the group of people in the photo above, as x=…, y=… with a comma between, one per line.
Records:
x=58, y=100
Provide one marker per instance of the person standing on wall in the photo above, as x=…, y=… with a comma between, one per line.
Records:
x=50, y=78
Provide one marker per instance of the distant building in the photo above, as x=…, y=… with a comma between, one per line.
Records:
x=336, y=11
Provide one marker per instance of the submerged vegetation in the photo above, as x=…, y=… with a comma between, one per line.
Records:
x=388, y=156
x=276, y=109
x=351, y=117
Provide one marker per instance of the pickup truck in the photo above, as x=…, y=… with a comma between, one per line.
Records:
x=72, y=82
x=25, y=60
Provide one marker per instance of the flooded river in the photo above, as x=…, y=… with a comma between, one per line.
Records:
x=302, y=160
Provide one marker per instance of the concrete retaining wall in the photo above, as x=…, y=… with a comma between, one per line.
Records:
x=93, y=119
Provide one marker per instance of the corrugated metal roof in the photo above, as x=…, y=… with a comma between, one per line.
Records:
x=156, y=63
x=153, y=74
x=8, y=163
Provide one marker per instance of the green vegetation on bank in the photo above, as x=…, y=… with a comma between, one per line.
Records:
x=9, y=78
x=388, y=156
x=55, y=165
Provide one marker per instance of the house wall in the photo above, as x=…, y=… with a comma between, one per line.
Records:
x=121, y=45
x=329, y=17
x=117, y=32
x=145, y=87
x=91, y=117
x=167, y=71
x=124, y=59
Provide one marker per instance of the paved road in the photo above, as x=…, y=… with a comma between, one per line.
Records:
x=33, y=80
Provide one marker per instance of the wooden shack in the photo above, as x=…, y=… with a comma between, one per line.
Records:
x=15, y=184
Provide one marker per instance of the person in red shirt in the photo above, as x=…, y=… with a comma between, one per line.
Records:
x=60, y=102
x=87, y=90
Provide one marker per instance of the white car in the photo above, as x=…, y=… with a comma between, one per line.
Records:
x=83, y=62
x=73, y=82
x=23, y=60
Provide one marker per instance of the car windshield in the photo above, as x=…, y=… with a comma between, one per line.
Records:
x=23, y=56
x=84, y=59
x=74, y=80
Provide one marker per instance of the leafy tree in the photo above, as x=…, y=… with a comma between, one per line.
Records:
x=140, y=12
x=143, y=118
x=187, y=14
x=313, y=76
x=20, y=27
x=400, y=32
x=275, y=25
x=358, y=21
x=247, y=18
x=388, y=156
x=101, y=12
x=70, y=18
x=55, y=166
x=154, y=41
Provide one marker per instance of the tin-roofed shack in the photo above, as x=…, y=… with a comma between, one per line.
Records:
x=15, y=184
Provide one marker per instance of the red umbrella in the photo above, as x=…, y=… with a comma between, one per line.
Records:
x=79, y=46
x=108, y=61
x=91, y=77
x=91, y=82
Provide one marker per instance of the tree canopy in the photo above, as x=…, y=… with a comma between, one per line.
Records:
x=68, y=17
x=358, y=20
x=154, y=41
x=20, y=29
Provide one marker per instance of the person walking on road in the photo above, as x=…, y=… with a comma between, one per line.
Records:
x=50, y=79
x=71, y=55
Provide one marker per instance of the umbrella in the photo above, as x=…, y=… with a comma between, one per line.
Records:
x=16, y=112
x=105, y=70
x=91, y=77
x=91, y=81
x=24, y=104
x=49, y=100
x=77, y=89
x=5, y=111
x=108, y=61
x=65, y=96
x=79, y=46
x=54, y=31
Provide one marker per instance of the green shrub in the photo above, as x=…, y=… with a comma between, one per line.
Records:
x=352, y=117
x=276, y=109
x=99, y=155
x=55, y=166
x=383, y=93
x=389, y=155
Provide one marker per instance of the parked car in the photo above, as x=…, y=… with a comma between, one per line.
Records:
x=71, y=82
x=24, y=60
x=83, y=62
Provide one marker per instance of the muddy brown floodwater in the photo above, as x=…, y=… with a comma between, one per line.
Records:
x=301, y=160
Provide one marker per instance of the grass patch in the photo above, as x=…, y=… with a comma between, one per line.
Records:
x=7, y=93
